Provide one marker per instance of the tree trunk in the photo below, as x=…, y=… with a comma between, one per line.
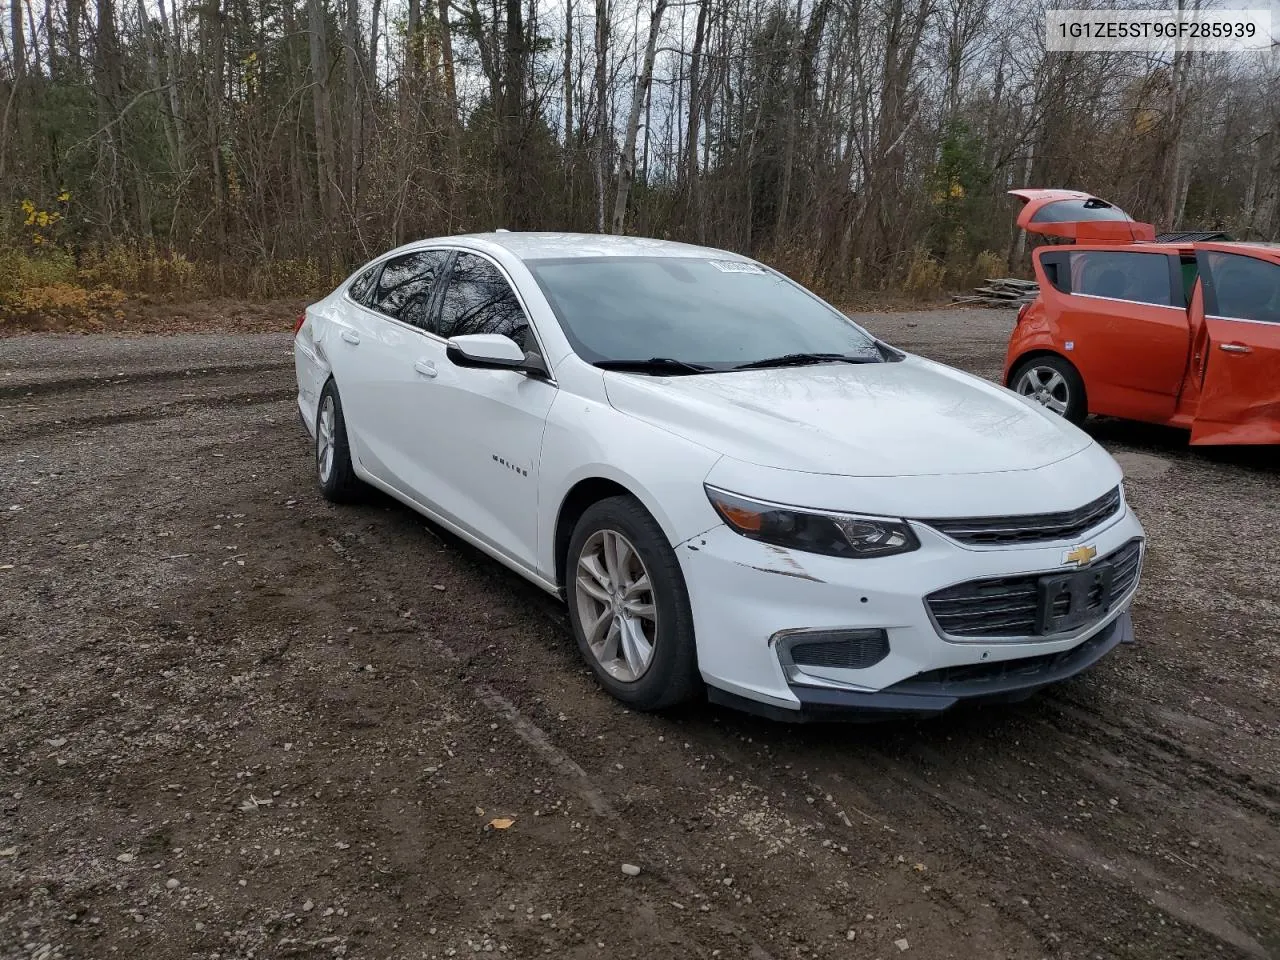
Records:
x=321, y=108
x=169, y=39
x=515, y=205
x=602, y=106
x=413, y=42
x=19, y=42
x=107, y=80
x=792, y=80
x=212, y=54
x=568, y=74
x=627, y=162
x=446, y=46
x=355, y=116
x=75, y=13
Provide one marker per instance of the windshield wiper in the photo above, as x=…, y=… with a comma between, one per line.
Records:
x=657, y=365
x=800, y=359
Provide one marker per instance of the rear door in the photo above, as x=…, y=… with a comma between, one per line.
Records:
x=379, y=362
x=1240, y=396
x=1122, y=321
x=1078, y=216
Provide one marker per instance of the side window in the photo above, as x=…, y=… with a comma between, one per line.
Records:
x=1057, y=270
x=361, y=285
x=404, y=288
x=1242, y=288
x=478, y=299
x=1141, y=277
x=1190, y=271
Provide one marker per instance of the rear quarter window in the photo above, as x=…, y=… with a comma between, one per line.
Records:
x=363, y=284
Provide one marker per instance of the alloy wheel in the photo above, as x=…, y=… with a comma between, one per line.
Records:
x=616, y=605
x=1047, y=387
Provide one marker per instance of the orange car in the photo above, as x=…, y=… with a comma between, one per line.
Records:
x=1183, y=334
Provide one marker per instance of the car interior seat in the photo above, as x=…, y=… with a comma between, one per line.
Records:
x=1111, y=283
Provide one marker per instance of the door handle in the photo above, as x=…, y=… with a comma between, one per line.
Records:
x=426, y=369
x=1235, y=348
x=351, y=337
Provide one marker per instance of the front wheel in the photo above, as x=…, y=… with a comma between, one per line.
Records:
x=1055, y=384
x=629, y=606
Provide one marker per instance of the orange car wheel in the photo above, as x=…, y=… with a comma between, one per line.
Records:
x=1054, y=383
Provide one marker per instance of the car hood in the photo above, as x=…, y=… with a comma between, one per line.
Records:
x=908, y=418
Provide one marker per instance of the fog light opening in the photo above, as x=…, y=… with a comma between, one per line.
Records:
x=830, y=648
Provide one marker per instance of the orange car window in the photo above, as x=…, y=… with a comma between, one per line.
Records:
x=1075, y=211
x=1141, y=277
x=1190, y=271
x=1243, y=288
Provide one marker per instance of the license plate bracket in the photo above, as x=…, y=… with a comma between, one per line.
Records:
x=1070, y=600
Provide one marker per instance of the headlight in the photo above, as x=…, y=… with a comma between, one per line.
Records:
x=836, y=535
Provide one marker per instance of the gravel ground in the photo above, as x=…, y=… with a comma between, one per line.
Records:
x=236, y=721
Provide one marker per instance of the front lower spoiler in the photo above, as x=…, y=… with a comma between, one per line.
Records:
x=930, y=693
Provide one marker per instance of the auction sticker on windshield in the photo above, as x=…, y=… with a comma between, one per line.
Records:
x=736, y=266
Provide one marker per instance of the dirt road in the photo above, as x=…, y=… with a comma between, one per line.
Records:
x=236, y=721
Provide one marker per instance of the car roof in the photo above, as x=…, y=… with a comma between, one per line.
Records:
x=543, y=246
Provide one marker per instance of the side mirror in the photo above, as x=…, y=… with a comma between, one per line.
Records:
x=492, y=351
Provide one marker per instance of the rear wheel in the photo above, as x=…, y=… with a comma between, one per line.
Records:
x=338, y=480
x=629, y=606
x=1055, y=384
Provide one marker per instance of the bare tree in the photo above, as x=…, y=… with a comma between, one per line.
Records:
x=627, y=163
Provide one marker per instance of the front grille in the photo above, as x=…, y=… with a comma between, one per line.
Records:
x=1009, y=606
x=1032, y=528
x=854, y=653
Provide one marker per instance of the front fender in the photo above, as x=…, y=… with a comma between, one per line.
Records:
x=588, y=439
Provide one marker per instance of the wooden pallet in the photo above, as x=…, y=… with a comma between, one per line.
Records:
x=1000, y=292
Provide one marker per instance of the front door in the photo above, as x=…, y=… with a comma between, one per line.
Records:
x=487, y=425
x=1240, y=396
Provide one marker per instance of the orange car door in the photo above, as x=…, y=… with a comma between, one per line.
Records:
x=1124, y=325
x=1240, y=397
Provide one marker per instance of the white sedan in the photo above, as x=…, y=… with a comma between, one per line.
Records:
x=735, y=488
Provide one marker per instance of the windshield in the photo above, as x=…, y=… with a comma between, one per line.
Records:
x=715, y=314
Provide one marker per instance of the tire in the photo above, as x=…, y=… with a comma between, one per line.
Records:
x=670, y=674
x=1055, y=383
x=337, y=476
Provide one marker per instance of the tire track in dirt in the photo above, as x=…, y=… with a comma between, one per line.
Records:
x=92, y=384
x=169, y=411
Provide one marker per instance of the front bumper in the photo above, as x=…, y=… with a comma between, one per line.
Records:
x=744, y=593
x=930, y=693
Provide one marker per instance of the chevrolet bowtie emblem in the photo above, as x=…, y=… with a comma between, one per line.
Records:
x=1079, y=556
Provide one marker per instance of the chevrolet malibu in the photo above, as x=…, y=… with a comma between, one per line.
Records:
x=734, y=487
